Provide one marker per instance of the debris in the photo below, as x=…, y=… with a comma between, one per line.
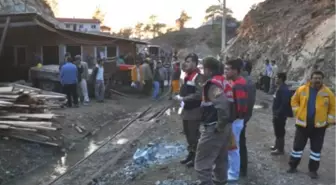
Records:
x=174, y=182
x=153, y=154
x=24, y=114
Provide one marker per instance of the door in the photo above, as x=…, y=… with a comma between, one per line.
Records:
x=50, y=55
x=74, y=50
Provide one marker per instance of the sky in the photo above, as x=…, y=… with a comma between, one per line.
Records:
x=122, y=14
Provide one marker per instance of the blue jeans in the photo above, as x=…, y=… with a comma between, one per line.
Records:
x=100, y=90
x=156, y=89
x=234, y=156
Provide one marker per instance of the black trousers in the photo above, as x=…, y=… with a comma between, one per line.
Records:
x=279, y=126
x=316, y=137
x=267, y=81
x=192, y=133
x=148, y=87
x=162, y=85
x=71, y=92
x=243, y=150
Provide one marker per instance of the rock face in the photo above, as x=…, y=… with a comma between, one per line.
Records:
x=28, y=6
x=295, y=33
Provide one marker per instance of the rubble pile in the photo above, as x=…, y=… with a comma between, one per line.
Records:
x=295, y=33
x=25, y=114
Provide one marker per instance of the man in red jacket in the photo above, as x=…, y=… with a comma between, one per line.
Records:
x=238, y=113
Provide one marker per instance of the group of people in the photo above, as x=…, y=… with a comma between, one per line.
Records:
x=220, y=103
x=268, y=76
x=74, y=77
x=149, y=76
x=313, y=106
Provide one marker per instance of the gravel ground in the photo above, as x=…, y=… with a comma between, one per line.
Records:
x=19, y=158
x=264, y=169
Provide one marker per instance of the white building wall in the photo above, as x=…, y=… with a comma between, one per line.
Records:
x=85, y=27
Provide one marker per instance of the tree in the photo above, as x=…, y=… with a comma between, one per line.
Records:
x=99, y=15
x=125, y=32
x=184, y=17
x=147, y=29
x=214, y=11
x=157, y=29
x=138, y=31
x=154, y=27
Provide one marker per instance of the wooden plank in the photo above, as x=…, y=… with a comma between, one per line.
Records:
x=17, y=128
x=6, y=89
x=35, y=141
x=27, y=123
x=36, y=116
x=4, y=33
x=49, y=96
x=2, y=102
x=19, y=86
x=9, y=96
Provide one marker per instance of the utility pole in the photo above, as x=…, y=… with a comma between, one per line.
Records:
x=224, y=30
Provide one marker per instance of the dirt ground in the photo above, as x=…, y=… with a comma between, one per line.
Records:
x=19, y=158
x=263, y=169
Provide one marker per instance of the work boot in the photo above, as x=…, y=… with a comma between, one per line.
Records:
x=280, y=147
x=313, y=175
x=189, y=158
x=191, y=163
x=292, y=170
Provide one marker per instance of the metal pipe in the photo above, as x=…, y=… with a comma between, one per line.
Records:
x=224, y=29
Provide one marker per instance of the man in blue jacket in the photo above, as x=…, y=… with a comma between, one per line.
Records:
x=68, y=78
x=281, y=110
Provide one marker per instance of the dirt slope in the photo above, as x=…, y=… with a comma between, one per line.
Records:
x=295, y=33
x=205, y=40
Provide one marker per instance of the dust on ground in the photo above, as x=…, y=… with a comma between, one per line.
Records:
x=263, y=169
x=20, y=158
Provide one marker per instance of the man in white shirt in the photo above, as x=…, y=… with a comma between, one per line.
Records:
x=273, y=76
x=98, y=78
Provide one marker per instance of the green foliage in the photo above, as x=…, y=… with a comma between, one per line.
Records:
x=184, y=17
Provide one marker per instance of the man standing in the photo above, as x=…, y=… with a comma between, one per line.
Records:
x=147, y=72
x=157, y=78
x=191, y=95
x=267, y=76
x=273, y=76
x=240, y=108
x=68, y=76
x=84, y=75
x=250, y=104
x=137, y=76
x=212, y=149
x=176, y=73
x=313, y=106
x=280, y=108
x=98, y=78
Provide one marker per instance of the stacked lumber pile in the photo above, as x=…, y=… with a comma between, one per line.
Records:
x=25, y=114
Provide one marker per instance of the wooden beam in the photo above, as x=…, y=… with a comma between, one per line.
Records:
x=4, y=34
x=19, y=24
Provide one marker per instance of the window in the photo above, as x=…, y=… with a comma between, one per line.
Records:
x=93, y=26
x=81, y=26
x=67, y=25
x=111, y=51
x=100, y=52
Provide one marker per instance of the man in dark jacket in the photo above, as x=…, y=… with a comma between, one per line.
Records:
x=281, y=110
x=251, y=88
x=191, y=96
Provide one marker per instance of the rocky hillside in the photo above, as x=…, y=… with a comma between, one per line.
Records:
x=205, y=40
x=295, y=33
x=28, y=6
